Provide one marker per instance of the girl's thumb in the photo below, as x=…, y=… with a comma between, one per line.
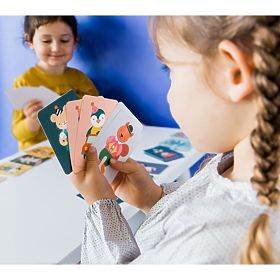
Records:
x=125, y=167
x=91, y=158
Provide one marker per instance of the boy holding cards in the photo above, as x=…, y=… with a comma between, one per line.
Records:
x=53, y=39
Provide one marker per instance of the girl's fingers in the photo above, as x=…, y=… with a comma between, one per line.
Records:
x=126, y=167
x=77, y=178
x=92, y=160
x=117, y=181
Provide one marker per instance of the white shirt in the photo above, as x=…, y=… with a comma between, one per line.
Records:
x=203, y=221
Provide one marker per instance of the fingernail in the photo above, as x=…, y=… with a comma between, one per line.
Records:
x=92, y=149
x=113, y=160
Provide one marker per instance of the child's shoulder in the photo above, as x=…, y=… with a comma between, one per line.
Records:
x=76, y=72
x=26, y=78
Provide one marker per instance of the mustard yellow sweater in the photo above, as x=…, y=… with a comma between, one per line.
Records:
x=34, y=77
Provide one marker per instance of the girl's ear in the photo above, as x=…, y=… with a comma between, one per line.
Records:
x=239, y=70
x=28, y=41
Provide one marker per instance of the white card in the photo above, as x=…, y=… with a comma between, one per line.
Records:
x=118, y=138
x=20, y=96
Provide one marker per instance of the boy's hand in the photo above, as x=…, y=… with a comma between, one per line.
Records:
x=90, y=182
x=134, y=185
x=30, y=111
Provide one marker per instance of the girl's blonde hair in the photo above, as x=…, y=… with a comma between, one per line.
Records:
x=258, y=37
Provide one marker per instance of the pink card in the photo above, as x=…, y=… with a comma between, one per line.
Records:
x=94, y=113
x=73, y=109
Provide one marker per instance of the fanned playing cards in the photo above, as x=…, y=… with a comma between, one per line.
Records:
x=72, y=125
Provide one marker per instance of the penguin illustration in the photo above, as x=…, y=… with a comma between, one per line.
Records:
x=97, y=120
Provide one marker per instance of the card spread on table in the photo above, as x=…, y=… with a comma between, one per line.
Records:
x=77, y=124
x=19, y=97
x=14, y=169
x=54, y=123
x=29, y=160
x=163, y=153
x=94, y=113
x=153, y=168
x=177, y=143
x=41, y=152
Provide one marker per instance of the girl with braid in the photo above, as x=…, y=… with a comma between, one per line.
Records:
x=224, y=94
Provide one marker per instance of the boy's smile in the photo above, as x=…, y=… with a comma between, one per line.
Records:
x=54, y=44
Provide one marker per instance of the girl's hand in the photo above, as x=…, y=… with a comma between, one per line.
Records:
x=134, y=185
x=90, y=182
x=30, y=111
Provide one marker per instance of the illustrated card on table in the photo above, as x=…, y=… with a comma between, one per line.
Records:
x=54, y=123
x=177, y=144
x=29, y=160
x=13, y=169
x=41, y=152
x=163, y=153
x=73, y=111
x=118, y=138
x=94, y=113
x=153, y=168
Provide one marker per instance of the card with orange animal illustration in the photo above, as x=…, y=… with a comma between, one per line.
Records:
x=119, y=137
x=94, y=113
x=73, y=110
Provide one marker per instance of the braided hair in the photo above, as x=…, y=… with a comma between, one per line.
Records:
x=258, y=37
x=265, y=137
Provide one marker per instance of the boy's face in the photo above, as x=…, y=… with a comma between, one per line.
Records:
x=53, y=44
x=206, y=115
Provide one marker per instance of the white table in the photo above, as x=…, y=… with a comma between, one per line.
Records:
x=42, y=219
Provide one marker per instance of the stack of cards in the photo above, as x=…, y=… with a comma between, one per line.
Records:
x=73, y=125
x=31, y=158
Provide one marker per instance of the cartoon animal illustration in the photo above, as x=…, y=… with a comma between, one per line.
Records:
x=30, y=160
x=115, y=146
x=97, y=120
x=59, y=118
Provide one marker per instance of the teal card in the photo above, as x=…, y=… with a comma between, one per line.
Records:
x=54, y=123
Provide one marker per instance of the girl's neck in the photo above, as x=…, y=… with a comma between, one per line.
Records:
x=52, y=70
x=242, y=169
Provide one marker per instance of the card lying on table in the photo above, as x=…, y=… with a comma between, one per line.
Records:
x=41, y=152
x=54, y=123
x=14, y=169
x=29, y=160
x=163, y=153
x=153, y=168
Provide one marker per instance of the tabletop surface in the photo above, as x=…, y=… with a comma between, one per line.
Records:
x=42, y=219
